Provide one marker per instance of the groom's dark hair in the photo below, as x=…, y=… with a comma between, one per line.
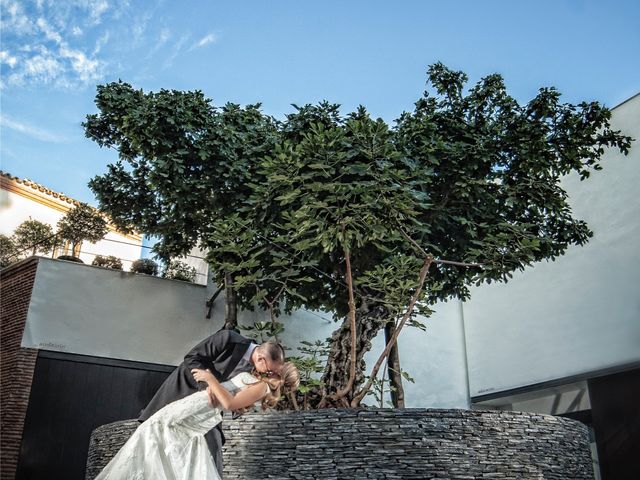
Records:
x=273, y=350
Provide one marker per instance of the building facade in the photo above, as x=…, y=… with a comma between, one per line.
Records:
x=22, y=199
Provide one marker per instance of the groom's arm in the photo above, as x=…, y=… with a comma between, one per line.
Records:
x=206, y=351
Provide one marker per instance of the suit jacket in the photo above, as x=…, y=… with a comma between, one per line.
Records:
x=220, y=353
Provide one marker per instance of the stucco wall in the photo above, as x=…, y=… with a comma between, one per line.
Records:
x=15, y=209
x=581, y=313
x=96, y=311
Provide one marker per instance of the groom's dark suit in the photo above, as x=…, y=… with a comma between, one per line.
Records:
x=220, y=353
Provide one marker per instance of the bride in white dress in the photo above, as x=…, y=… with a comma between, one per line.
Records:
x=170, y=445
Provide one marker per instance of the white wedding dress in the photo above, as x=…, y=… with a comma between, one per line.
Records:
x=170, y=445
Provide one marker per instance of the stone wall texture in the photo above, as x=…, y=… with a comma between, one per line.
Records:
x=389, y=444
x=16, y=363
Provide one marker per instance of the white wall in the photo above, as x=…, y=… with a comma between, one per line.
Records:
x=95, y=311
x=435, y=358
x=15, y=209
x=580, y=313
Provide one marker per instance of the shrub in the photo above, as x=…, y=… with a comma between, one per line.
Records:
x=107, y=262
x=69, y=258
x=34, y=237
x=144, y=265
x=8, y=253
x=178, y=270
x=82, y=223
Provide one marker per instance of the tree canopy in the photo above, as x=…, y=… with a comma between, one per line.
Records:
x=33, y=236
x=82, y=223
x=345, y=213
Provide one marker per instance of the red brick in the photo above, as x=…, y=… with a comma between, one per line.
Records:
x=16, y=363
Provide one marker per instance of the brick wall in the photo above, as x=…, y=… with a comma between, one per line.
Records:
x=388, y=444
x=16, y=363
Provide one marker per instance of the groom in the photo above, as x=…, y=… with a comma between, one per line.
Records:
x=225, y=353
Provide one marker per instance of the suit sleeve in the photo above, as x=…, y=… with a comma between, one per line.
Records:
x=208, y=350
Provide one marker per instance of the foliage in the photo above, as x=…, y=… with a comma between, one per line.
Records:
x=7, y=251
x=144, y=265
x=310, y=364
x=383, y=385
x=178, y=270
x=33, y=236
x=107, y=261
x=291, y=213
x=184, y=164
x=263, y=331
x=82, y=223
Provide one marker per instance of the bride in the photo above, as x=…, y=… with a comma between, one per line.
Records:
x=170, y=445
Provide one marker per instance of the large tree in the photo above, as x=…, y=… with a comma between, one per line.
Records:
x=346, y=214
x=185, y=169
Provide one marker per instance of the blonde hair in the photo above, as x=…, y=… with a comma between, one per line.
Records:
x=286, y=381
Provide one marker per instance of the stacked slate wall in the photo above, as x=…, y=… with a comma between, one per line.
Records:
x=389, y=444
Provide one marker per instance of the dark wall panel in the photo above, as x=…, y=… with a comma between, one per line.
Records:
x=615, y=411
x=71, y=395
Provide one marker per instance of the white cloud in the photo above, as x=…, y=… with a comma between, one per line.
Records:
x=14, y=18
x=86, y=68
x=8, y=59
x=165, y=35
x=74, y=43
x=139, y=27
x=96, y=8
x=43, y=54
x=101, y=42
x=29, y=130
x=48, y=31
x=175, y=51
x=206, y=40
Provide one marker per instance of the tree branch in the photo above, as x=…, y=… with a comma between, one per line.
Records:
x=423, y=274
x=425, y=254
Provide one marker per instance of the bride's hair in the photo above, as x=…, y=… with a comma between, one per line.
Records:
x=286, y=381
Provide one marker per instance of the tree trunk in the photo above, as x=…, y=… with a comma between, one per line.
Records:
x=369, y=320
x=393, y=368
x=230, y=304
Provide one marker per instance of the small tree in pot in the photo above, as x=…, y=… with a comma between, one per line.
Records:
x=144, y=265
x=82, y=223
x=177, y=270
x=107, y=262
x=8, y=251
x=33, y=236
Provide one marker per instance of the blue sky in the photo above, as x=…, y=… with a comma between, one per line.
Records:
x=55, y=52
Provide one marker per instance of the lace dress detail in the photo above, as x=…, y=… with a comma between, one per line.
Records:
x=170, y=445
